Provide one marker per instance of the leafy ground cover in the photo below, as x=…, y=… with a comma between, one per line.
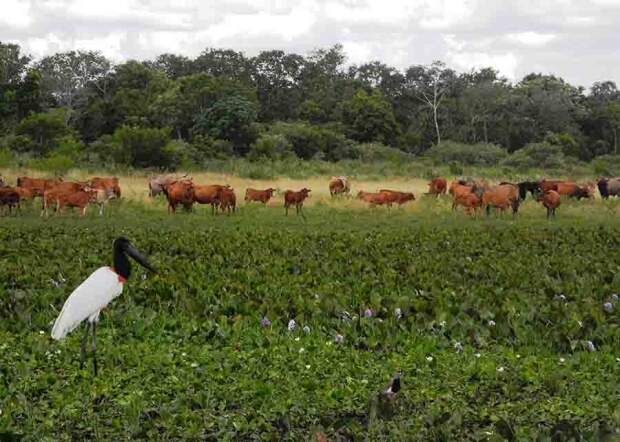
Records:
x=502, y=329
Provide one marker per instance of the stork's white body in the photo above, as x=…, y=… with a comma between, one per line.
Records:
x=87, y=300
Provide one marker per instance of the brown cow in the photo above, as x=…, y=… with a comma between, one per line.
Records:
x=375, y=199
x=295, y=198
x=179, y=192
x=38, y=185
x=469, y=201
x=551, y=200
x=227, y=200
x=501, y=197
x=79, y=199
x=259, y=195
x=546, y=184
x=106, y=183
x=339, y=185
x=458, y=191
x=437, y=186
x=9, y=198
x=395, y=196
x=573, y=190
x=208, y=194
x=157, y=184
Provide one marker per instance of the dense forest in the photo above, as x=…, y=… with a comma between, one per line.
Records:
x=79, y=107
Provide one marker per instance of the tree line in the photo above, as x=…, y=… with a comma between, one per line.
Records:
x=173, y=110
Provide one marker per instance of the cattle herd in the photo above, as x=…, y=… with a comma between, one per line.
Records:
x=472, y=195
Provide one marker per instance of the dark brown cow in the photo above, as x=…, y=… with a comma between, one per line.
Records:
x=437, y=186
x=227, y=200
x=38, y=185
x=339, y=185
x=208, y=194
x=259, y=195
x=551, y=200
x=9, y=198
x=179, y=192
x=295, y=198
x=107, y=184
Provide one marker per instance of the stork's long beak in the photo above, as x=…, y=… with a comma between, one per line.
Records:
x=139, y=257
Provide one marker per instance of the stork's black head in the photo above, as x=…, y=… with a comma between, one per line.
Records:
x=123, y=248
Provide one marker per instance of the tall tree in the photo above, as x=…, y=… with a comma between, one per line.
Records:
x=431, y=84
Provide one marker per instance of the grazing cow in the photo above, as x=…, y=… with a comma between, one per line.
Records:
x=551, y=200
x=179, y=192
x=546, y=184
x=469, y=201
x=295, y=198
x=259, y=195
x=394, y=196
x=106, y=183
x=79, y=199
x=9, y=197
x=339, y=185
x=227, y=200
x=208, y=194
x=102, y=196
x=458, y=191
x=437, y=186
x=528, y=186
x=38, y=185
x=609, y=187
x=157, y=184
x=375, y=199
x=572, y=190
x=501, y=197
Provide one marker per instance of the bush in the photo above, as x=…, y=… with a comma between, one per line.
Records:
x=6, y=157
x=270, y=146
x=480, y=154
x=537, y=155
x=373, y=152
x=58, y=164
x=44, y=131
x=142, y=147
x=608, y=165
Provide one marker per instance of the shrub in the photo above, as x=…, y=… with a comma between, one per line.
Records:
x=480, y=154
x=372, y=152
x=608, y=165
x=270, y=146
x=57, y=164
x=537, y=155
x=6, y=157
x=142, y=147
x=44, y=130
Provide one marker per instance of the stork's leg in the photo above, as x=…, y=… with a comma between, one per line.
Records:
x=83, y=346
x=95, y=347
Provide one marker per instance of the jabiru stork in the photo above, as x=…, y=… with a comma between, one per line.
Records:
x=95, y=293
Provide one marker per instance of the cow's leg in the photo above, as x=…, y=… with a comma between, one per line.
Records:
x=488, y=209
x=286, y=210
x=83, y=211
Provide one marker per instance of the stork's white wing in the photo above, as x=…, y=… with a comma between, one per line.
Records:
x=97, y=291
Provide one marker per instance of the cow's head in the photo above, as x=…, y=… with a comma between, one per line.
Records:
x=305, y=192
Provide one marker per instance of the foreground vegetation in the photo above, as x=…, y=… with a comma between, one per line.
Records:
x=183, y=354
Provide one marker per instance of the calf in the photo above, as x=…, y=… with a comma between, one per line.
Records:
x=339, y=185
x=227, y=200
x=9, y=197
x=469, y=201
x=208, y=194
x=295, y=198
x=394, y=196
x=551, y=200
x=79, y=199
x=437, y=186
x=259, y=195
x=501, y=197
x=375, y=199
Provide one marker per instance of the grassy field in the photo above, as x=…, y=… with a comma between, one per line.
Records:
x=183, y=354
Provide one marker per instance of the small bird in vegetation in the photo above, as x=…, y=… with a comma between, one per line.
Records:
x=394, y=386
x=95, y=293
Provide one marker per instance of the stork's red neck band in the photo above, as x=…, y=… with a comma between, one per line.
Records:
x=121, y=278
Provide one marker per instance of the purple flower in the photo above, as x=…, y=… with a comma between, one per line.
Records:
x=591, y=346
x=265, y=322
x=368, y=313
x=398, y=313
x=291, y=325
x=339, y=339
x=608, y=307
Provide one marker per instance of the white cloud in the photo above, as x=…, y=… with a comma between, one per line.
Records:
x=442, y=14
x=15, y=13
x=506, y=63
x=531, y=38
